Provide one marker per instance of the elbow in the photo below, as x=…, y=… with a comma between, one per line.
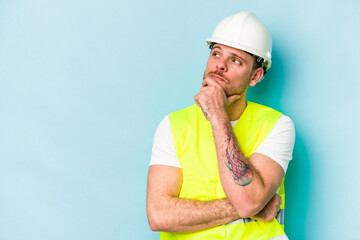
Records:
x=159, y=216
x=157, y=221
x=154, y=221
x=154, y=226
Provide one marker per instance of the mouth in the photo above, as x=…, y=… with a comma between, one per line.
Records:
x=217, y=78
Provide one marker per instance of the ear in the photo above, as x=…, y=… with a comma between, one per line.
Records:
x=256, y=76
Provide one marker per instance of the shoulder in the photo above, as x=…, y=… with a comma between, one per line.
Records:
x=258, y=106
x=162, y=132
x=279, y=144
x=284, y=124
x=185, y=118
x=163, y=151
x=262, y=112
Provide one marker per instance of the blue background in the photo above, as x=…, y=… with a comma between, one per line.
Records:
x=83, y=85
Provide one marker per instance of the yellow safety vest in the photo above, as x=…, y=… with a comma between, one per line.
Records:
x=194, y=144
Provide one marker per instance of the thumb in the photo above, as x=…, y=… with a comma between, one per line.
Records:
x=233, y=98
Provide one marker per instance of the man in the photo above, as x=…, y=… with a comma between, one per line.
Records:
x=217, y=166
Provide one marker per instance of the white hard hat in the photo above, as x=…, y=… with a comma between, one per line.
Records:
x=245, y=32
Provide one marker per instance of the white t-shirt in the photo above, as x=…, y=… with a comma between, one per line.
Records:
x=278, y=145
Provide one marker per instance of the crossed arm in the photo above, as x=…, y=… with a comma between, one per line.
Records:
x=167, y=212
x=250, y=186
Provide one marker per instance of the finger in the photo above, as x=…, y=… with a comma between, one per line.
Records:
x=196, y=99
x=197, y=103
x=204, y=89
x=211, y=82
x=203, y=83
x=210, y=90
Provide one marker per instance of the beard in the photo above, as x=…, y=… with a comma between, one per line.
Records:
x=229, y=90
x=238, y=91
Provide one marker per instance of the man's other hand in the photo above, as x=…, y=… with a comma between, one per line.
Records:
x=271, y=209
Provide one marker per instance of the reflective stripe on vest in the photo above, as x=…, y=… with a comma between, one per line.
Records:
x=195, y=148
x=279, y=217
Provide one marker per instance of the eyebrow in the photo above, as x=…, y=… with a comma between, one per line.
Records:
x=233, y=54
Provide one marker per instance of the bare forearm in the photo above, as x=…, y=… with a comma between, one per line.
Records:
x=231, y=155
x=248, y=183
x=239, y=178
x=174, y=214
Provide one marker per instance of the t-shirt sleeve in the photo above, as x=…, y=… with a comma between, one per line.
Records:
x=279, y=144
x=163, y=150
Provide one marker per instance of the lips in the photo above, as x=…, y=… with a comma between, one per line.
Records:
x=217, y=78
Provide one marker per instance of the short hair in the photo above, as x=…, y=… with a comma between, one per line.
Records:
x=258, y=61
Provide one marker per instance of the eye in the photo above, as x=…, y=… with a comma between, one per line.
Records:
x=216, y=54
x=237, y=61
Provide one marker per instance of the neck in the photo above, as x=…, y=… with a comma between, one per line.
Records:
x=236, y=108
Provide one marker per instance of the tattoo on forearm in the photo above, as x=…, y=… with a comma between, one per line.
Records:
x=205, y=113
x=236, y=162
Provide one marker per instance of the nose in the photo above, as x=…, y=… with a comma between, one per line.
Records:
x=221, y=64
